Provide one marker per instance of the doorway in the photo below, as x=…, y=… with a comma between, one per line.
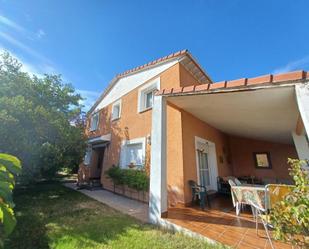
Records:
x=206, y=163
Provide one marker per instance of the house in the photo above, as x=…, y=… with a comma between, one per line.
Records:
x=171, y=118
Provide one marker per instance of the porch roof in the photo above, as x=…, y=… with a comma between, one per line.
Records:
x=248, y=107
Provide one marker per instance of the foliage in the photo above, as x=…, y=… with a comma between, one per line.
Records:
x=290, y=217
x=136, y=179
x=9, y=167
x=45, y=222
x=39, y=120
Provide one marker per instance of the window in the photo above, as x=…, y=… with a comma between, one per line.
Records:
x=116, y=110
x=146, y=95
x=149, y=99
x=133, y=153
x=94, y=122
x=87, y=158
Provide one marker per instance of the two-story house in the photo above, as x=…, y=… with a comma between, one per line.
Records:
x=168, y=117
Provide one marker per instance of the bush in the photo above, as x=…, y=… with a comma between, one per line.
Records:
x=290, y=217
x=135, y=179
x=10, y=166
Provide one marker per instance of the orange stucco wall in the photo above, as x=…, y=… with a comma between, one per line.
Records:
x=242, y=150
x=191, y=127
x=133, y=124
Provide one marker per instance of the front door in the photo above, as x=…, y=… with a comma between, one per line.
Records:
x=204, y=170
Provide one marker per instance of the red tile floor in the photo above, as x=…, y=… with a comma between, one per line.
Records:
x=220, y=223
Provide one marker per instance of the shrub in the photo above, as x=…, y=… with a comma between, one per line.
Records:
x=10, y=166
x=135, y=179
x=290, y=217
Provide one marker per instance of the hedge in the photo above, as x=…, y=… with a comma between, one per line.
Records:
x=135, y=179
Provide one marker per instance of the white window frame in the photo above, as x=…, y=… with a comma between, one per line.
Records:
x=92, y=128
x=123, y=153
x=117, y=103
x=88, y=156
x=142, y=92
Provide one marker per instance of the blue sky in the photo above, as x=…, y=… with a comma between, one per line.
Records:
x=88, y=42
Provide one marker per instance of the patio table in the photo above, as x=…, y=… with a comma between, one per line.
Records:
x=245, y=193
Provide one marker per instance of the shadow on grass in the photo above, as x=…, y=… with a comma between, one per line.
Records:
x=50, y=215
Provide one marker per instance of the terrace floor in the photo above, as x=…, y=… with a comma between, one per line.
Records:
x=220, y=223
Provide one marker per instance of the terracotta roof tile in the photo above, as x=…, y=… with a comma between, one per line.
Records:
x=154, y=62
x=234, y=83
x=259, y=80
x=297, y=75
x=269, y=79
x=217, y=85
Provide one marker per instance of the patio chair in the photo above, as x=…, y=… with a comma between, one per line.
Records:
x=238, y=183
x=273, y=194
x=199, y=191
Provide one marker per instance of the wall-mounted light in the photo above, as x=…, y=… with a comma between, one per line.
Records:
x=148, y=139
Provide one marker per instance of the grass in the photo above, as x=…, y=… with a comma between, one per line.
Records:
x=52, y=216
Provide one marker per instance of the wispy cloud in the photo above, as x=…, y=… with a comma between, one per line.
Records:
x=40, y=34
x=11, y=24
x=89, y=98
x=26, y=66
x=10, y=39
x=302, y=63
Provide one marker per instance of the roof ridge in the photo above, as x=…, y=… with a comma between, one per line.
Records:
x=161, y=59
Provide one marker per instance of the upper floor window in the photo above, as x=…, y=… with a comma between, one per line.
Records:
x=146, y=95
x=116, y=110
x=94, y=122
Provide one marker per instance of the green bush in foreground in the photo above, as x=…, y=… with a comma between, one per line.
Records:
x=9, y=167
x=290, y=217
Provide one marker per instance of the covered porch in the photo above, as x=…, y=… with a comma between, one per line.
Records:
x=245, y=132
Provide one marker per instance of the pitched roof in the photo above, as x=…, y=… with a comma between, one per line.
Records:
x=180, y=53
x=239, y=84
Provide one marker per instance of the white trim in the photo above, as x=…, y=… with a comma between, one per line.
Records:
x=302, y=97
x=212, y=162
x=127, y=83
x=118, y=102
x=142, y=91
x=301, y=145
x=158, y=179
x=123, y=153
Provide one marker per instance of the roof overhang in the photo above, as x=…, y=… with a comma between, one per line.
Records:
x=268, y=113
x=101, y=140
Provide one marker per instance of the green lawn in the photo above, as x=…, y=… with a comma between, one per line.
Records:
x=52, y=216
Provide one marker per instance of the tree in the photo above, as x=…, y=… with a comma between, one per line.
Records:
x=290, y=217
x=36, y=116
x=9, y=167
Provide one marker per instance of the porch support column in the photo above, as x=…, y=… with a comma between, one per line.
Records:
x=158, y=189
x=301, y=140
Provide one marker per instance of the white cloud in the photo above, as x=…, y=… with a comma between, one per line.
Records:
x=38, y=69
x=11, y=24
x=89, y=98
x=10, y=39
x=302, y=63
x=40, y=34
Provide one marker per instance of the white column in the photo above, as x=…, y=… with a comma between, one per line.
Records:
x=301, y=145
x=158, y=184
x=301, y=142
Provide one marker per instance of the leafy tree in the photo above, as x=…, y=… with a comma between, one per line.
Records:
x=290, y=217
x=9, y=166
x=38, y=120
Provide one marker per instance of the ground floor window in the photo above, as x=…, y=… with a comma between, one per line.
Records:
x=133, y=153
